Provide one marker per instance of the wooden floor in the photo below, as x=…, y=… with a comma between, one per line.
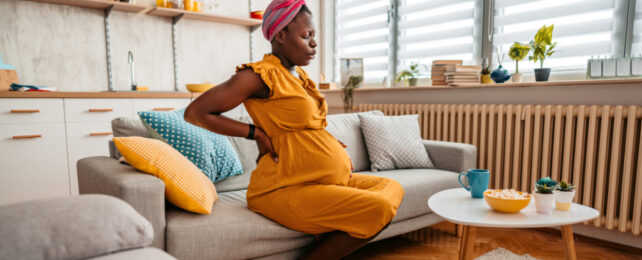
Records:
x=440, y=242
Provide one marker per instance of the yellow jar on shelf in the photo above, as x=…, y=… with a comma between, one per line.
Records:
x=188, y=5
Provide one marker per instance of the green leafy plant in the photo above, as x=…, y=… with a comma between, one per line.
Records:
x=542, y=45
x=353, y=83
x=563, y=186
x=545, y=185
x=411, y=73
x=518, y=52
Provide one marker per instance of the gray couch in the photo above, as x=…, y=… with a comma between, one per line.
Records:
x=234, y=232
x=94, y=227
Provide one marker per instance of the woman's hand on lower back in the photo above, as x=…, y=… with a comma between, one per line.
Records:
x=264, y=143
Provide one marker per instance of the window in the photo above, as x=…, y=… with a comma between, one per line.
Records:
x=426, y=30
x=362, y=32
x=636, y=48
x=583, y=28
x=435, y=30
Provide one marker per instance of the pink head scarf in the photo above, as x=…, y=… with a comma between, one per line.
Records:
x=278, y=15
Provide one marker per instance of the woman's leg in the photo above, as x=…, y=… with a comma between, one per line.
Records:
x=337, y=244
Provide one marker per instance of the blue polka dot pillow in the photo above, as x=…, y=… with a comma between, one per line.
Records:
x=210, y=152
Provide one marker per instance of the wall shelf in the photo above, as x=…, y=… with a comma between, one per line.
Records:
x=98, y=4
x=169, y=12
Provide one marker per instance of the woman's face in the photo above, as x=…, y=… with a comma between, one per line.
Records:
x=298, y=40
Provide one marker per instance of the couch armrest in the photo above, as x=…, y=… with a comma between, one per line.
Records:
x=144, y=192
x=456, y=157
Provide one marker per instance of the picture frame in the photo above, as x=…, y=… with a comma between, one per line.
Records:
x=350, y=67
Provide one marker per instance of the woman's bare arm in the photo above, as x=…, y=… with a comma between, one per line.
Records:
x=206, y=110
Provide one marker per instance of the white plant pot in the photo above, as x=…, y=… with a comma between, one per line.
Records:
x=544, y=202
x=563, y=199
x=516, y=77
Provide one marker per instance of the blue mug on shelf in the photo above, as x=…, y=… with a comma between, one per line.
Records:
x=477, y=181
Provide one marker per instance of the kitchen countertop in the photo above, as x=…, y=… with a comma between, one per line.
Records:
x=104, y=94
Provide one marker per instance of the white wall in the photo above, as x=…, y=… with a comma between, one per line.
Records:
x=64, y=47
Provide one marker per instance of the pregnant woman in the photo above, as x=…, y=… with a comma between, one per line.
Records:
x=303, y=179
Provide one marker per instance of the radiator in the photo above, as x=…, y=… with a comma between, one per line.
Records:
x=597, y=148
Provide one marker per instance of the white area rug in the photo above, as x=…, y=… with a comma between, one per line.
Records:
x=504, y=254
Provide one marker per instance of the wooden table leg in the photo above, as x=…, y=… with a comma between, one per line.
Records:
x=567, y=236
x=467, y=243
x=459, y=230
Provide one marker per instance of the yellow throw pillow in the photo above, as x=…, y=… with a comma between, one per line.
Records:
x=185, y=185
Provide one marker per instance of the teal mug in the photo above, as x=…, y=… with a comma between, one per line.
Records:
x=477, y=181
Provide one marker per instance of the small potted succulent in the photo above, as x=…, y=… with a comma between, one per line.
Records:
x=485, y=73
x=544, y=196
x=410, y=76
x=518, y=52
x=564, y=194
x=542, y=47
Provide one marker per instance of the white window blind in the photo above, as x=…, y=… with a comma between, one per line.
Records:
x=636, y=48
x=362, y=31
x=583, y=28
x=435, y=30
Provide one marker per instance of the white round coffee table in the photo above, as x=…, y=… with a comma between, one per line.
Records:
x=457, y=206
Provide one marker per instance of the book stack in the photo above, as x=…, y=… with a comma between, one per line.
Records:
x=439, y=69
x=457, y=75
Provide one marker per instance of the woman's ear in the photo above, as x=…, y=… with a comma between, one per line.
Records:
x=280, y=37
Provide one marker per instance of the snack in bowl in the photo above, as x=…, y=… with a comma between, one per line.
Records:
x=507, y=200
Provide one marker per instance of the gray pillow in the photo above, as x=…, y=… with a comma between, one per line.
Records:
x=394, y=142
x=71, y=228
x=346, y=128
x=127, y=126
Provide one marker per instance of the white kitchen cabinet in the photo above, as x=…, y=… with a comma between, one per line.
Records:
x=85, y=140
x=34, y=162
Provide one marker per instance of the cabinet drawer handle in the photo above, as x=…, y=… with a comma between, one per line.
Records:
x=16, y=111
x=101, y=109
x=99, y=133
x=25, y=111
x=26, y=136
x=163, y=109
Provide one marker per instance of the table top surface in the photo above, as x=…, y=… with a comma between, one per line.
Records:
x=457, y=206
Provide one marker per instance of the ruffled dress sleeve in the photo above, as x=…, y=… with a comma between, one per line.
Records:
x=264, y=71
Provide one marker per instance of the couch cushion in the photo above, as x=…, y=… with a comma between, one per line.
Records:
x=247, y=151
x=185, y=185
x=128, y=126
x=346, y=128
x=71, y=228
x=212, y=153
x=137, y=254
x=394, y=142
x=230, y=226
x=419, y=185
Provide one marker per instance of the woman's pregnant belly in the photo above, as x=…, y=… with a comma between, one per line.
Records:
x=306, y=156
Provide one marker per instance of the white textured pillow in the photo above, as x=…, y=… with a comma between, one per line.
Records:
x=394, y=142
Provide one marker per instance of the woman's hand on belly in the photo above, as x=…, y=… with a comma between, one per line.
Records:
x=265, y=145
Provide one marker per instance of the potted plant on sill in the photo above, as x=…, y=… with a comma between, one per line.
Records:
x=564, y=194
x=485, y=73
x=542, y=47
x=518, y=52
x=410, y=76
x=544, y=195
x=353, y=83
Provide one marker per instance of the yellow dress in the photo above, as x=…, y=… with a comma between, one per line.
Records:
x=310, y=189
